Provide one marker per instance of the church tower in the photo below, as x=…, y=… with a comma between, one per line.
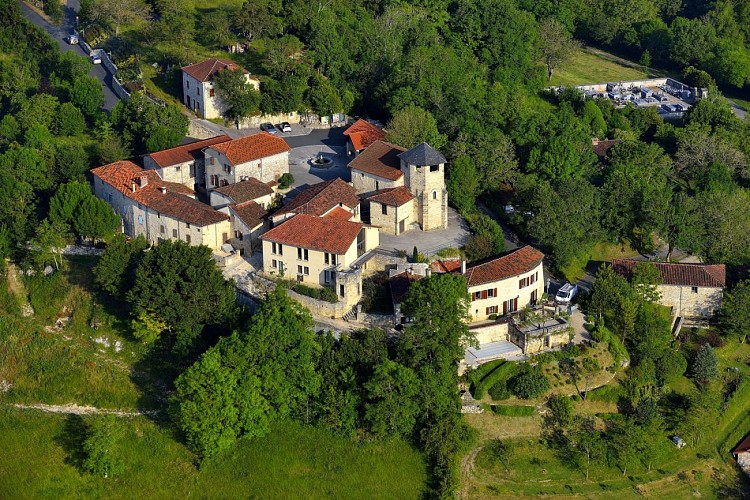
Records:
x=424, y=176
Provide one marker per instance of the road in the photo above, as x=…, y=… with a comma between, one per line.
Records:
x=59, y=33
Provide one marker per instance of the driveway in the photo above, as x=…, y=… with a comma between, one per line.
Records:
x=59, y=33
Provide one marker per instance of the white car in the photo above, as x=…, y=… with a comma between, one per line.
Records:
x=72, y=39
x=566, y=293
x=96, y=58
x=285, y=127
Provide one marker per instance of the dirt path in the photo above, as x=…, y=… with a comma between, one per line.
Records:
x=74, y=409
x=467, y=469
x=19, y=290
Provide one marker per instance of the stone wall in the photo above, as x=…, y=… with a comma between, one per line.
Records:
x=691, y=302
x=320, y=307
x=389, y=222
x=197, y=130
x=491, y=332
x=368, y=183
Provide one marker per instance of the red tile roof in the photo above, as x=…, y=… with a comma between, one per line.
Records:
x=679, y=274
x=400, y=285
x=363, y=133
x=518, y=261
x=340, y=213
x=247, y=190
x=252, y=147
x=122, y=174
x=250, y=213
x=394, y=197
x=326, y=234
x=322, y=197
x=602, y=147
x=381, y=159
x=743, y=447
x=446, y=266
x=205, y=70
x=186, y=152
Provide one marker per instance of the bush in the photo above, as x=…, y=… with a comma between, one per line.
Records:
x=54, y=10
x=326, y=294
x=501, y=373
x=513, y=410
x=670, y=366
x=529, y=384
x=286, y=180
x=488, y=238
x=499, y=391
x=483, y=370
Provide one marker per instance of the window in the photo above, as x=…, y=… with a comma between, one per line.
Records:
x=161, y=229
x=523, y=283
x=227, y=168
x=302, y=254
x=177, y=169
x=434, y=168
x=140, y=219
x=192, y=170
x=694, y=289
x=238, y=235
x=328, y=276
x=492, y=292
x=307, y=271
x=211, y=93
x=491, y=310
x=276, y=248
x=327, y=258
x=224, y=237
x=174, y=233
x=214, y=180
x=274, y=264
x=341, y=290
x=197, y=105
x=187, y=239
x=333, y=259
x=187, y=84
x=385, y=209
x=299, y=269
x=377, y=185
x=187, y=225
x=197, y=91
x=434, y=195
x=477, y=295
x=158, y=215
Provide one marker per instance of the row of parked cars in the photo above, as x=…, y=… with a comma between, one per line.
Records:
x=95, y=57
x=271, y=129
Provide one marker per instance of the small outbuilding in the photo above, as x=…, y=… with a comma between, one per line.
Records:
x=741, y=453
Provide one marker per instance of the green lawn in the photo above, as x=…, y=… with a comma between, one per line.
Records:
x=39, y=460
x=584, y=67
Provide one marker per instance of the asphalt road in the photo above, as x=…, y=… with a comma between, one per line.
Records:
x=59, y=33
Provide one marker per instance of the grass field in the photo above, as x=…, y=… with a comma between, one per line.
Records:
x=584, y=67
x=294, y=461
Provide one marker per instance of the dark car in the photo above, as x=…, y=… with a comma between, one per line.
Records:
x=268, y=127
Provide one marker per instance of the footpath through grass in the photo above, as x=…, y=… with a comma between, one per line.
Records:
x=40, y=459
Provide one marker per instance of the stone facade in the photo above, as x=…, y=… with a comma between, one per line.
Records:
x=201, y=97
x=390, y=219
x=188, y=173
x=691, y=302
x=219, y=200
x=243, y=238
x=533, y=339
x=139, y=220
x=220, y=171
x=491, y=332
x=507, y=295
x=365, y=182
x=427, y=184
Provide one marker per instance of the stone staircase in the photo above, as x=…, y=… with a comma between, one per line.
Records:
x=351, y=315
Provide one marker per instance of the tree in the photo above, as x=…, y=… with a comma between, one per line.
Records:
x=87, y=95
x=66, y=200
x=115, y=270
x=180, y=284
x=670, y=366
x=705, y=366
x=39, y=109
x=71, y=161
x=215, y=29
x=99, y=448
x=701, y=415
x=624, y=439
x=237, y=94
x=147, y=126
x=95, y=219
x=530, y=383
x=560, y=410
x=119, y=12
x=48, y=243
x=503, y=451
x=70, y=120
x=463, y=183
x=735, y=311
x=646, y=279
x=413, y=125
x=323, y=97
x=587, y=444
x=557, y=44
x=392, y=405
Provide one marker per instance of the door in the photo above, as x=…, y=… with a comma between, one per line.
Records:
x=401, y=226
x=533, y=297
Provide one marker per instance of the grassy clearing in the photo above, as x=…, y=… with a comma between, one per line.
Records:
x=513, y=410
x=40, y=460
x=584, y=67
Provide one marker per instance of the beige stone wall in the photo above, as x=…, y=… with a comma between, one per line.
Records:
x=348, y=287
x=243, y=238
x=428, y=187
x=367, y=183
x=389, y=223
x=491, y=333
x=265, y=169
x=506, y=290
x=197, y=96
x=320, y=307
x=701, y=303
x=315, y=263
x=185, y=173
x=537, y=344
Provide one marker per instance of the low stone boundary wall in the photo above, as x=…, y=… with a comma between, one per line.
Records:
x=320, y=307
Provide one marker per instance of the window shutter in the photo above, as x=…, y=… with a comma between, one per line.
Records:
x=515, y=304
x=487, y=312
x=484, y=294
x=505, y=308
x=520, y=284
x=495, y=293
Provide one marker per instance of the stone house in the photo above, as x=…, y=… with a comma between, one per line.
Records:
x=693, y=291
x=421, y=170
x=539, y=336
x=261, y=156
x=244, y=191
x=505, y=284
x=741, y=453
x=248, y=221
x=183, y=164
x=198, y=86
x=334, y=198
x=320, y=252
x=360, y=135
x=392, y=210
x=157, y=209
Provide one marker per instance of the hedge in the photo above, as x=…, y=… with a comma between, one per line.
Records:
x=513, y=410
x=483, y=370
x=502, y=372
x=316, y=293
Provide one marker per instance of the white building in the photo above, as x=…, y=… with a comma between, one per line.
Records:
x=262, y=156
x=183, y=164
x=198, y=86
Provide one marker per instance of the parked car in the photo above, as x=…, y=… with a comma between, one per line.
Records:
x=96, y=58
x=268, y=127
x=72, y=39
x=566, y=293
x=285, y=127
x=678, y=441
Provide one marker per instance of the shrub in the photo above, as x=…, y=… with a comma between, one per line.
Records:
x=326, y=294
x=501, y=373
x=529, y=384
x=670, y=366
x=499, y=391
x=483, y=370
x=286, y=180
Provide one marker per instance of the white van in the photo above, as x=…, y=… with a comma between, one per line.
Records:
x=566, y=293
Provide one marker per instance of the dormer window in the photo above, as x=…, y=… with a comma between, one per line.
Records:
x=434, y=168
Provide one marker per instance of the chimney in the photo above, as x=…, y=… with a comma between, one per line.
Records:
x=132, y=185
x=163, y=189
x=143, y=180
x=428, y=272
x=463, y=266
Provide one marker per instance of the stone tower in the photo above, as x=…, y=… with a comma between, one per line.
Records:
x=424, y=176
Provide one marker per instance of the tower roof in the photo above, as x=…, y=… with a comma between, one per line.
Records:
x=422, y=155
